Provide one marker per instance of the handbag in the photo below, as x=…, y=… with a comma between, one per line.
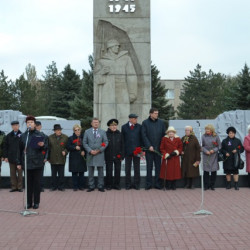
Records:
x=238, y=162
x=220, y=156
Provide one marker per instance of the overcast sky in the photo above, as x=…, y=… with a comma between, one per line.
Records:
x=213, y=33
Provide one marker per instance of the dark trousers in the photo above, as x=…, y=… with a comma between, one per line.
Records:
x=78, y=180
x=33, y=186
x=153, y=158
x=42, y=179
x=248, y=179
x=57, y=169
x=109, y=173
x=136, y=164
x=210, y=183
x=16, y=176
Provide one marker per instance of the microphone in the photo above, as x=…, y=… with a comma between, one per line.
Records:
x=29, y=128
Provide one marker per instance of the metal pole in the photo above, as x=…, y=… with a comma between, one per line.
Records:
x=26, y=211
x=202, y=211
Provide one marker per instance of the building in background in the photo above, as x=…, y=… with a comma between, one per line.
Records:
x=174, y=88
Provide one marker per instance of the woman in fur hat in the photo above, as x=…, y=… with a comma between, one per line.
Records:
x=171, y=148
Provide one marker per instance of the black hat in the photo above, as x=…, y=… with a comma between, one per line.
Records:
x=132, y=116
x=112, y=122
x=57, y=127
x=14, y=122
x=38, y=123
x=231, y=129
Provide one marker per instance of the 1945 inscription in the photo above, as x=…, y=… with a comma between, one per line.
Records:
x=122, y=6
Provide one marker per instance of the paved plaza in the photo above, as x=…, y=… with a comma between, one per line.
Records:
x=153, y=219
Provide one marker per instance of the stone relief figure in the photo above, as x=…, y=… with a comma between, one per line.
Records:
x=115, y=84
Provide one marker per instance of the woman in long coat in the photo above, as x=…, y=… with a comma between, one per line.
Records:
x=171, y=148
x=191, y=156
x=246, y=145
x=231, y=146
x=210, y=146
x=77, y=163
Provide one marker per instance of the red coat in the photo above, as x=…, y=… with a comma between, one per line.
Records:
x=172, y=170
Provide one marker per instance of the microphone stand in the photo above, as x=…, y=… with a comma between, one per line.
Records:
x=202, y=211
x=26, y=211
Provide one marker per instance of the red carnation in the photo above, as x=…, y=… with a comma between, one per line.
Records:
x=187, y=142
x=103, y=144
x=43, y=152
x=118, y=156
x=75, y=141
x=239, y=147
x=62, y=143
x=215, y=143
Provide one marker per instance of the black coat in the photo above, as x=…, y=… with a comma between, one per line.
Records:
x=11, y=146
x=227, y=146
x=77, y=163
x=35, y=155
x=2, y=142
x=115, y=148
x=132, y=138
x=152, y=133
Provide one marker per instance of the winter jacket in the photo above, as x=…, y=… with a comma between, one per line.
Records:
x=227, y=146
x=56, y=146
x=2, y=142
x=131, y=137
x=77, y=162
x=34, y=154
x=11, y=146
x=152, y=133
x=115, y=148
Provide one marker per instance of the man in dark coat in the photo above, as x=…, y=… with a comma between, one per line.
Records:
x=10, y=154
x=45, y=152
x=57, y=157
x=32, y=144
x=131, y=132
x=2, y=142
x=113, y=155
x=153, y=129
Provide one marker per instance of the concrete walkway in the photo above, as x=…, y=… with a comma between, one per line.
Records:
x=131, y=219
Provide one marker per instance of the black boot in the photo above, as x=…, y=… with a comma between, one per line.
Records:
x=228, y=185
x=173, y=185
x=236, y=187
x=191, y=183
x=186, y=183
x=167, y=185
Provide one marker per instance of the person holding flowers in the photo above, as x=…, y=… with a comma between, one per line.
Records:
x=230, y=147
x=131, y=132
x=57, y=157
x=95, y=142
x=114, y=154
x=171, y=148
x=210, y=146
x=191, y=156
x=77, y=163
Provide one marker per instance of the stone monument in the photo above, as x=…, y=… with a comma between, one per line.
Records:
x=122, y=73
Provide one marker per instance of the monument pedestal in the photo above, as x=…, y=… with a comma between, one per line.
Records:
x=122, y=74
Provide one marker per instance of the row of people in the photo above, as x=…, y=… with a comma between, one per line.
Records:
x=113, y=146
